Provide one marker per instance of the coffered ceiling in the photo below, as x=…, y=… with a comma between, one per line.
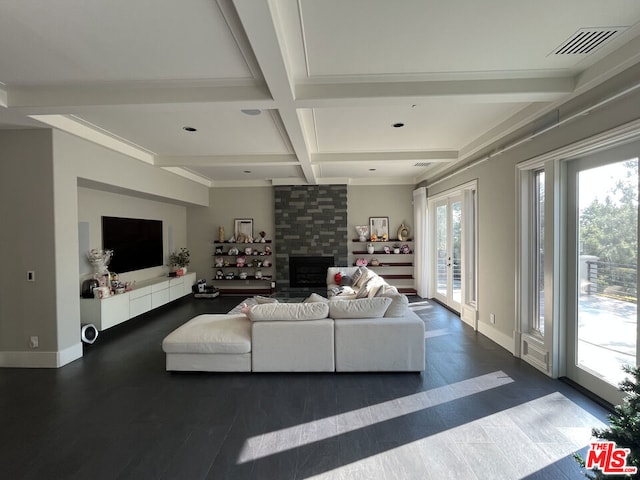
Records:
x=303, y=91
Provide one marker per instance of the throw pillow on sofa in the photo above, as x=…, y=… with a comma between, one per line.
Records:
x=355, y=278
x=314, y=297
x=398, y=306
x=270, y=312
x=365, y=277
x=359, y=308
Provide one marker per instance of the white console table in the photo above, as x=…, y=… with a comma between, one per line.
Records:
x=144, y=297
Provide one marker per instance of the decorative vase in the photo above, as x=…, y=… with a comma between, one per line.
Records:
x=403, y=233
x=370, y=248
x=363, y=232
x=221, y=234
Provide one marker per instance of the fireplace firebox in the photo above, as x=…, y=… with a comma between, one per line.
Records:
x=308, y=271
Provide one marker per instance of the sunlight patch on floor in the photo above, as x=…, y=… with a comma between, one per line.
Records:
x=518, y=442
x=437, y=333
x=278, y=441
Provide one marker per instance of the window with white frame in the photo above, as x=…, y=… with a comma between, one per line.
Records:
x=537, y=254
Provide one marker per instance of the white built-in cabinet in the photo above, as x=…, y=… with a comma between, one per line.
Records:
x=144, y=297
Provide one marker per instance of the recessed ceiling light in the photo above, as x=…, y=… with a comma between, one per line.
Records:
x=398, y=125
x=372, y=169
x=252, y=112
x=189, y=129
x=247, y=171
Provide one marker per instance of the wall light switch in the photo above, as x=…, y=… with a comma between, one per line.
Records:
x=31, y=276
x=492, y=318
x=34, y=341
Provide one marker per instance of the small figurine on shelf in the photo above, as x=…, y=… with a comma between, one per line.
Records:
x=266, y=263
x=219, y=262
x=258, y=274
x=219, y=274
x=405, y=249
x=219, y=251
x=262, y=235
x=375, y=262
x=374, y=237
x=385, y=237
x=361, y=262
x=233, y=251
x=229, y=276
x=243, y=275
x=267, y=250
x=248, y=251
x=256, y=263
x=240, y=261
x=232, y=239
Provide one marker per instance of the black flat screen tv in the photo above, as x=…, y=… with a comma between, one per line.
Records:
x=136, y=243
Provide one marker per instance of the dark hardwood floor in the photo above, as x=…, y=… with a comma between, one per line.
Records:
x=475, y=413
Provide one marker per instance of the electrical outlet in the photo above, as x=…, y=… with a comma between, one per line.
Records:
x=492, y=318
x=31, y=276
x=34, y=341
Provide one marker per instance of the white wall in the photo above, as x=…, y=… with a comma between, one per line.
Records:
x=27, y=243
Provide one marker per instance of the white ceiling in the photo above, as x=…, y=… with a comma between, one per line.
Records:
x=330, y=77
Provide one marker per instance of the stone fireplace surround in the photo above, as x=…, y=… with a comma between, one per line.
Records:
x=310, y=220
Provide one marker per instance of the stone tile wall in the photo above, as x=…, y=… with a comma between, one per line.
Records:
x=309, y=220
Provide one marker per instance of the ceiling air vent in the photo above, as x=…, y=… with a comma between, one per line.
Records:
x=421, y=164
x=588, y=40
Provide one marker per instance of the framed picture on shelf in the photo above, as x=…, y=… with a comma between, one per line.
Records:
x=379, y=226
x=243, y=226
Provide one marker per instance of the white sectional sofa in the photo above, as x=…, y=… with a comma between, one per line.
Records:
x=343, y=334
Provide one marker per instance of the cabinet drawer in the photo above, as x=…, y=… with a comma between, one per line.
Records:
x=159, y=298
x=140, y=292
x=140, y=305
x=114, y=310
x=156, y=287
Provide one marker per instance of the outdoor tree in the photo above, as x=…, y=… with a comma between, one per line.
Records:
x=618, y=213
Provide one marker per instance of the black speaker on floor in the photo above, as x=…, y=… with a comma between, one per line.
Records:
x=88, y=333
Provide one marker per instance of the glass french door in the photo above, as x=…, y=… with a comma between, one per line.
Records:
x=602, y=269
x=448, y=251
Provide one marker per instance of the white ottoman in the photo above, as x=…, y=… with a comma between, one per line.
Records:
x=293, y=346
x=387, y=344
x=210, y=343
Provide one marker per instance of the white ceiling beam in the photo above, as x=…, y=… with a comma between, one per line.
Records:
x=445, y=156
x=391, y=93
x=225, y=160
x=71, y=99
x=189, y=175
x=80, y=130
x=260, y=26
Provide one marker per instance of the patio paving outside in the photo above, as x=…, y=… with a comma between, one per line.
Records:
x=607, y=335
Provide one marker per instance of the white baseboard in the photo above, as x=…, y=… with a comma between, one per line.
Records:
x=38, y=359
x=505, y=341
